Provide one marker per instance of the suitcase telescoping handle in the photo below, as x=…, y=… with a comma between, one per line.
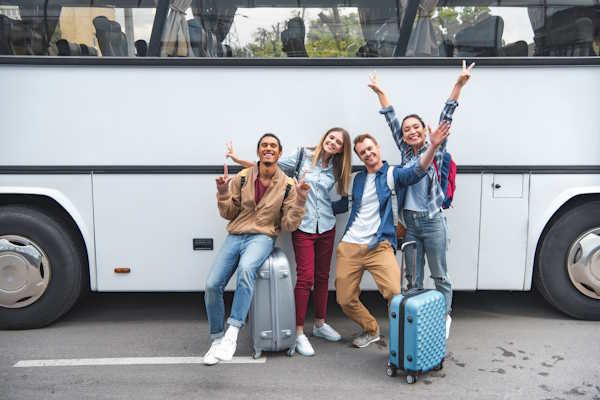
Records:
x=402, y=257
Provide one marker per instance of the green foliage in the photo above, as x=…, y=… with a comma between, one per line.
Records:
x=267, y=43
x=329, y=35
x=453, y=19
x=334, y=35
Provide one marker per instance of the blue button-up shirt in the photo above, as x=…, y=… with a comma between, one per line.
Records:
x=320, y=210
x=402, y=178
x=436, y=196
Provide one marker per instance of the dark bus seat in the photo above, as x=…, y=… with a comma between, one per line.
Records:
x=21, y=39
x=6, y=46
x=66, y=48
x=87, y=50
x=483, y=39
x=102, y=26
x=141, y=48
x=292, y=38
x=368, y=50
x=112, y=41
x=561, y=37
x=516, y=49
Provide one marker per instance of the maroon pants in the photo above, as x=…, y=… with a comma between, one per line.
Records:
x=313, y=262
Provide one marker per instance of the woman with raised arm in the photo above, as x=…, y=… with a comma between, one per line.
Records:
x=422, y=214
x=327, y=164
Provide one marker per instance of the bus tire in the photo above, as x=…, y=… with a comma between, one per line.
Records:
x=563, y=248
x=57, y=255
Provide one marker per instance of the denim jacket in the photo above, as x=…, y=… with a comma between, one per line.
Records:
x=320, y=210
x=402, y=177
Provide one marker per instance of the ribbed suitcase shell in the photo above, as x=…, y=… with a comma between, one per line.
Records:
x=418, y=331
x=272, y=318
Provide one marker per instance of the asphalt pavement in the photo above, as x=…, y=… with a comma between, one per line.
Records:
x=503, y=345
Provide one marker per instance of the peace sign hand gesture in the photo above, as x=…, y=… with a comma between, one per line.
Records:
x=230, y=151
x=302, y=189
x=373, y=83
x=223, y=182
x=465, y=74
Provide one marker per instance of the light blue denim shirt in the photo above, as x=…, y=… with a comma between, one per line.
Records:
x=320, y=215
x=417, y=195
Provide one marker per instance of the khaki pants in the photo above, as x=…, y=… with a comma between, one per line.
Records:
x=352, y=261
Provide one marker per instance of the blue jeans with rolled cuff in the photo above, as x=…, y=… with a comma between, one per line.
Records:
x=431, y=236
x=246, y=253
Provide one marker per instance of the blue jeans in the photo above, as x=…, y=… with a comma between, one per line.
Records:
x=246, y=253
x=431, y=237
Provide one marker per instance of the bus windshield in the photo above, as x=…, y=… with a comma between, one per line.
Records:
x=313, y=29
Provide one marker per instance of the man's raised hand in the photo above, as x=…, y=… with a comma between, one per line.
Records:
x=465, y=74
x=223, y=182
x=373, y=84
x=230, y=153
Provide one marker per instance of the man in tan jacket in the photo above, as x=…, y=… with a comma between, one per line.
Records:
x=260, y=201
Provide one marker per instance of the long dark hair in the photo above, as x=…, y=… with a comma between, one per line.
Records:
x=413, y=116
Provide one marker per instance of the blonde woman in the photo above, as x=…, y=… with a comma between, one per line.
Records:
x=322, y=167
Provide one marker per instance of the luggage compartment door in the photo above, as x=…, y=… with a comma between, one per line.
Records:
x=503, y=231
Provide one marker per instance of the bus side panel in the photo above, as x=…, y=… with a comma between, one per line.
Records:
x=503, y=240
x=147, y=223
x=507, y=115
x=463, y=219
x=548, y=194
x=72, y=192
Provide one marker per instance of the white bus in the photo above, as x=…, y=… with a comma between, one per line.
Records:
x=114, y=116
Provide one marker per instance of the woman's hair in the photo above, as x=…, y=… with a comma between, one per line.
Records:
x=412, y=116
x=342, y=161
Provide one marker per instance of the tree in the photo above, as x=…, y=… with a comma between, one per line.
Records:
x=334, y=35
x=267, y=42
x=453, y=19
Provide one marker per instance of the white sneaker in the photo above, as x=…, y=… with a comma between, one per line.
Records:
x=209, y=358
x=303, y=346
x=448, y=323
x=326, y=332
x=226, y=349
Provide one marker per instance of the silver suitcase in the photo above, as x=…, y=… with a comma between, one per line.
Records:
x=272, y=318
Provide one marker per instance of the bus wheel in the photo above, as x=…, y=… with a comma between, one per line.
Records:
x=567, y=271
x=41, y=268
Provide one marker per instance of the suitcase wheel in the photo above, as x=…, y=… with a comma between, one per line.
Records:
x=410, y=379
x=440, y=366
x=291, y=351
x=257, y=354
x=391, y=370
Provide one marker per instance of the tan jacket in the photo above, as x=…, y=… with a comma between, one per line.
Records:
x=268, y=216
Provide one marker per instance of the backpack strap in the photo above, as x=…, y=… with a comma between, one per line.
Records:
x=299, y=161
x=392, y=186
x=288, y=188
x=244, y=173
x=437, y=172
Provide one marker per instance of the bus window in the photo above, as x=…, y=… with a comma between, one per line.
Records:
x=71, y=29
x=287, y=29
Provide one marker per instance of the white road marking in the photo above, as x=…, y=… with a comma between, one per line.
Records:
x=79, y=362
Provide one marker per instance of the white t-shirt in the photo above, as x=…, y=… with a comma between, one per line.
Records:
x=364, y=228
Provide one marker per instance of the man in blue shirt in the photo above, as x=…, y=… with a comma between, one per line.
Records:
x=369, y=241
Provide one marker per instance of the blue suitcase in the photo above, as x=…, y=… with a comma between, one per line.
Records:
x=417, y=330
